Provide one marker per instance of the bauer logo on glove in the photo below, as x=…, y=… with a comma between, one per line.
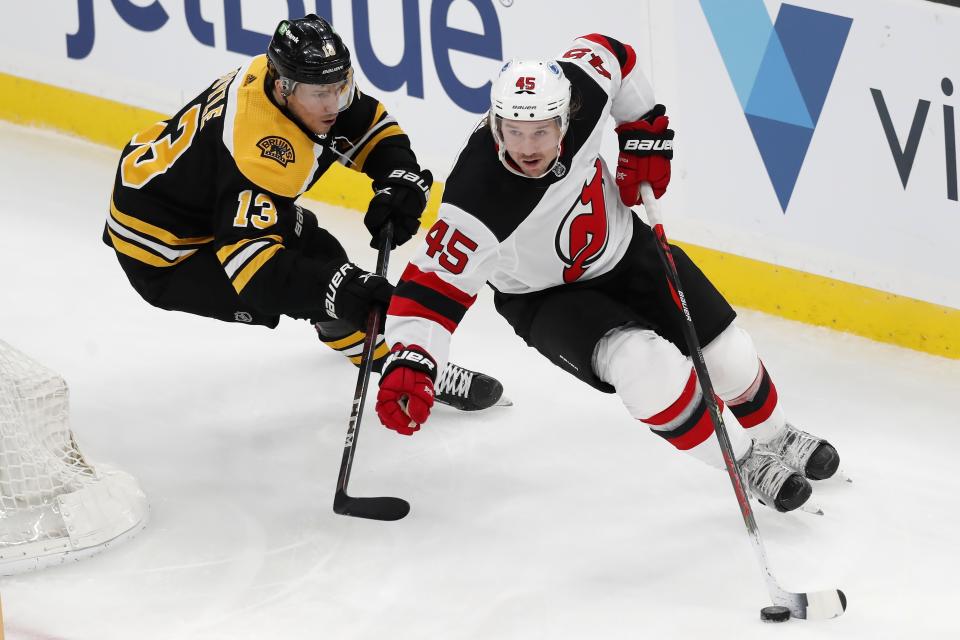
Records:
x=648, y=145
x=351, y=292
x=416, y=179
x=646, y=149
x=406, y=389
x=408, y=357
x=330, y=301
x=400, y=197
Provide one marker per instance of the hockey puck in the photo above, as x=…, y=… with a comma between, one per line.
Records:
x=775, y=614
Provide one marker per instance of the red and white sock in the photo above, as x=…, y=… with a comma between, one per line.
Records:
x=758, y=408
x=659, y=387
x=740, y=378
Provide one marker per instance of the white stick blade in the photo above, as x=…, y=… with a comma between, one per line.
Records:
x=823, y=605
x=818, y=605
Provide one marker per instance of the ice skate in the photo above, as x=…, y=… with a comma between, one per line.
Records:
x=456, y=386
x=773, y=483
x=468, y=390
x=814, y=457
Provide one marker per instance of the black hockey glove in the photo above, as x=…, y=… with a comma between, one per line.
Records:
x=401, y=197
x=351, y=292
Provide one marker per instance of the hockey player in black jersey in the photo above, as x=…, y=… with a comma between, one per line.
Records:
x=531, y=209
x=203, y=216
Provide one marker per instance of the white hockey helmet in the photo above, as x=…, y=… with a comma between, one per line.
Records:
x=529, y=91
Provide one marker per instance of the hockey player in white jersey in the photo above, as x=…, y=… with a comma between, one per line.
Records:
x=532, y=209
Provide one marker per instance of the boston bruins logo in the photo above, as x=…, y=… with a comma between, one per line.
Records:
x=277, y=148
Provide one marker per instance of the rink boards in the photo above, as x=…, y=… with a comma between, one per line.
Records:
x=818, y=187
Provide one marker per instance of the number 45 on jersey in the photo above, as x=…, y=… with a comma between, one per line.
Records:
x=452, y=256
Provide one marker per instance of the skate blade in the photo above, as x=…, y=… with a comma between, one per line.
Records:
x=839, y=477
x=504, y=401
x=812, y=508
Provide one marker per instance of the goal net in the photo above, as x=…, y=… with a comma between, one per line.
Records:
x=55, y=505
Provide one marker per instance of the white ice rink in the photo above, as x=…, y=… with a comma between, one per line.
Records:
x=557, y=518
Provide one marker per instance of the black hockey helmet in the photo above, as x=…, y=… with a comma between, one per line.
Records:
x=308, y=50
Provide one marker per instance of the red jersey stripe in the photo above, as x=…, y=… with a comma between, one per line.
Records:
x=433, y=281
x=400, y=306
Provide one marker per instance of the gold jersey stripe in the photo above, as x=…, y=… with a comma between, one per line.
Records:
x=153, y=231
x=378, y=353
x=142, y=255
x=392, y=130
x=343, y=343
x=377, y=115
x=242, y=278
x=223, y=255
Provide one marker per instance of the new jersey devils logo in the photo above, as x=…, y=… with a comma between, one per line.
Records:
x=582, y=236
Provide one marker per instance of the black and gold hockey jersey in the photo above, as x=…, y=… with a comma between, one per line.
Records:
x=225, y=172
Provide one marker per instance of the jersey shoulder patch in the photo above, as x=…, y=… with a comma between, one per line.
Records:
x=269, y=149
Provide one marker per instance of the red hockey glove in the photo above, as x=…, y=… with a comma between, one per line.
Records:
x=406, y=389
x=646, y=149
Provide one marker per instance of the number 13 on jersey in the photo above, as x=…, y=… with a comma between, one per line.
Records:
x=452, y=256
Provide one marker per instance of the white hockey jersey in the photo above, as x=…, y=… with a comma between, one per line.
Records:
x=520, y=234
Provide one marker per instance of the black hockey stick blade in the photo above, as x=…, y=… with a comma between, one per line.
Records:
x=381, y=508
x=816, y=605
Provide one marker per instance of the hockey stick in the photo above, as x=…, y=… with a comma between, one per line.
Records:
x=816, y=605
x=380, y=508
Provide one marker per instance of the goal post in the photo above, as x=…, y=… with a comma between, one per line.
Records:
x=55, y=506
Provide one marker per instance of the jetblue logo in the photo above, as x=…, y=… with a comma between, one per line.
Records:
x=445, y=41
x=782, y=73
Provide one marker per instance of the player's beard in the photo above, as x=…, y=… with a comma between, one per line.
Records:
x=530, y=168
